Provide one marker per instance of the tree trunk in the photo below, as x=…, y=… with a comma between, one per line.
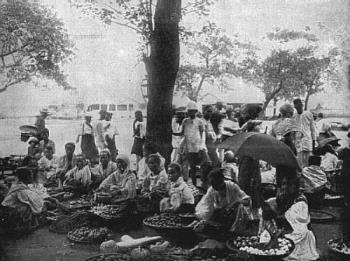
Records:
x=163, y=67
x=274, y=106
x=307, y=98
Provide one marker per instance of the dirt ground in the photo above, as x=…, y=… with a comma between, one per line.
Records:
x=43, y=245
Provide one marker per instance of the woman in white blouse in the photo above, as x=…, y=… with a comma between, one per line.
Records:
x=88, y=147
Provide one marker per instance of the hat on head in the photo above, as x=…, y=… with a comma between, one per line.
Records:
x=87, y=115
x=33, y=139
x=105, y=151
x=192, y=106
x=44, y=111
x=124, y=158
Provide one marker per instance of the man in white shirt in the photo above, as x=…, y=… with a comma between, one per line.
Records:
x=305, y=121
x=177, y=135
x=193, y=129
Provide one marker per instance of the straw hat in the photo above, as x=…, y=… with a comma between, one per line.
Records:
x=33, y=139
x=192, y=106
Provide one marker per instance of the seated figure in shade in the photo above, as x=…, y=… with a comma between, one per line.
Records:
x=48, y=164
x=66, y=162
x=80, y=175
x=46, y=141
x=180, y=195
x=105, y=168
x=122, y=182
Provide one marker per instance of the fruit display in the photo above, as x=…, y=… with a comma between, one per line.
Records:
x=252, y=246
x=166, y=221
x=89, y=235
x=339, y=246
x=64, y=224
x=110, y=257
x=109, y=211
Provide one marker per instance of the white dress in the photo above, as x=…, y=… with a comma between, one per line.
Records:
x=305, y=243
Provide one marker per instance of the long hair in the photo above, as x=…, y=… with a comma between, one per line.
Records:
x=286, y=199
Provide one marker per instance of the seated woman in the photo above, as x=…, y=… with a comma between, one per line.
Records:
x=48, y=164
x=294, y=206
x=104, y=169
x=157, y=178
x=329, y=159
x=121, y=183
x=22, y=205
x=222, y=207
x=80, y=175
x=180, y=195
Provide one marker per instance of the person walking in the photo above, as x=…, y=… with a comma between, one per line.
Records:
x=305, y=121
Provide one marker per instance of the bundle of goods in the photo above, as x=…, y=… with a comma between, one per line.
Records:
x=10, y=163
x=61, y=196
x=102, y=197
x=110, y=257
x=89, y=235
x=167, y=221
x=339, y=246
x=64, y=224
x=110, y=212
x=73, y=205
x=252, y=246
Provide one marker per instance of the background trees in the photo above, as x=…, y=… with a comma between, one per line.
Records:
x=33, y=44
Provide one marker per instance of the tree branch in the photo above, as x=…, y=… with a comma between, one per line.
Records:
x=2, y=55
x=128, y=26
x=8, y=85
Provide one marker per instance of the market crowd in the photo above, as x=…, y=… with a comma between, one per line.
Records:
x=236, y=189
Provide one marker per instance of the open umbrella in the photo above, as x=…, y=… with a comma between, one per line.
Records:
x=261, y=147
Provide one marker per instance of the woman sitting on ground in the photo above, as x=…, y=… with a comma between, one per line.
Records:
x=22, y=205
x=293, y=204
x=223, y=205
x=121, y=183
x=180, y=195
x=157, y=179
x=80, y=175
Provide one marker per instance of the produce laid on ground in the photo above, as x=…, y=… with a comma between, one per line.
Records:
x=339, y=246
x=110, y=257
x=252, y=246
x=64, y=224
x=89, y=235
x=169, y=221
x=109, y=211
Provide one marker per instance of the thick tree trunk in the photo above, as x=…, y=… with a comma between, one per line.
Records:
x=163, y=67
x=274, y=106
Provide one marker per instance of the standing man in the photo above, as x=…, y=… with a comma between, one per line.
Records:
x=193, y=129
x=40, y=122
x=210, y=136
x=100, y=131
x=305, y=121
x=176, y=126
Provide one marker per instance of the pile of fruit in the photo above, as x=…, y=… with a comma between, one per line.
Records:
x=109, y=211
x=86, y=234
x=110, y=257
x=338, y=245
x=252, y=246
x=165, y=221
x=64, y=224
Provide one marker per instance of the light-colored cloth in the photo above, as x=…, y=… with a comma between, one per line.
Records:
x=213, y=200
x=305, y=121
x=64, y=164
x=82, y=175
x=329, y=161
x=176, y=128
x=125, y=183
x=48, y=166
x=228, y=124
x=305, y=244
x=111, y=129
x=323, y=126
x=86, y=129
x=303, y=158
x=314, y=178
x=286, y=125
x=143, y=169
x=100, y=134
x=230, y=171
x=141, y=126
x=40, y=189
x=268, y=176
x=20, y=194
x=153, y=181
x=102, y=173
x=179, y=194
x=43, y=145
x=193, y=134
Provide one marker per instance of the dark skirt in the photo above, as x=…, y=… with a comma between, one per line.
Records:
x=137, y=146
x=112, y=148
x=88, y=147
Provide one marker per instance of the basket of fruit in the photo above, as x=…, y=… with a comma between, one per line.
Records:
x=110, y=257
x=86, y=235
x=338, y=246
x=252, y=246
x=167, y=222
x=109, y=212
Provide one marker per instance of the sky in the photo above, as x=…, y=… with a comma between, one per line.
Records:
x=106, y=66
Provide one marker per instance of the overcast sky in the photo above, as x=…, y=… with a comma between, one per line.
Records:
x=107, y=66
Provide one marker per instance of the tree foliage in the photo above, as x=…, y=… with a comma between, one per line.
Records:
x=287, y=73
x=33, y=43
x=207, y=58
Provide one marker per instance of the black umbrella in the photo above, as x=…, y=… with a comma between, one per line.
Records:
x=261, y=147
